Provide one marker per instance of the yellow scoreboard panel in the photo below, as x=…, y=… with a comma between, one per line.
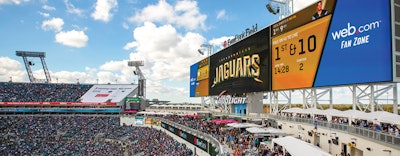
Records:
x=296, y=55
x=203, y=78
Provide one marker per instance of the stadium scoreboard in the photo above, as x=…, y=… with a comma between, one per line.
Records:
x=343, y=45
x=297, y=44
x=242, y=67
x=199, y=78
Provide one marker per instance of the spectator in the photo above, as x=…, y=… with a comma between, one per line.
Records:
x=82, y=135
x=41, y=92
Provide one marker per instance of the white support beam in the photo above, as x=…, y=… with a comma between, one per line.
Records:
x=371, y=97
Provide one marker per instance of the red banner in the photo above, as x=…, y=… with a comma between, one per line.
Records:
x=61, y=103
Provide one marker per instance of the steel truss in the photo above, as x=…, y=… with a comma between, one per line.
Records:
x=367, y=98
x=28, y=64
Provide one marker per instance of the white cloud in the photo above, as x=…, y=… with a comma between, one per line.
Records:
x=44, y=14
x=90, y=71
x=221, y=14
x=125, y=26
x=114, y=65
x=103, y=10
x=189, y=15
x=167, y=55
x=184, y=14
x=11, y=69
x=72, y=9
x=218, y=43
x=161, y=91
x=17, y=2
x=298, y=5
x=38, y=74
x=72, y=77
x=130, y=45
x=88, y=77
x=48, y=8
x=110, y=77
x=162, y=12
x=73, y=38
x=173, y=69
x=54, y=24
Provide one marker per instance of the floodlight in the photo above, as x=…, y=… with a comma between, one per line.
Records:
x=271, y=9
x=201, y=52
x=209, y=49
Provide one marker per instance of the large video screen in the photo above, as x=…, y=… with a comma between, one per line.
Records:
x=242, y=67
x=199, y=78
x=332, y=43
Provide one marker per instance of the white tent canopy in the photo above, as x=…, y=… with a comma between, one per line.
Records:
x=315, y=111
x=293, y=110
x=298, y=147
x=334, y=112
x=243, y=125
x=261, y=132
x=379, y=116
x=256, y=130
x=392, y=120
x=275, y=131
x=269, y=130
x=385, y=117
x=153, y=113
x=355, y=114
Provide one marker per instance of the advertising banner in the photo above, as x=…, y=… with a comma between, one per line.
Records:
x=198, y=142
x=329, y=43
x=358, y=45
x=242, y=67
x=199, y=78
x=333, y=47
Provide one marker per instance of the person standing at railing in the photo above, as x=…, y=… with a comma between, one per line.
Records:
x=315, y=123
x=363, y=124
x=377, y=127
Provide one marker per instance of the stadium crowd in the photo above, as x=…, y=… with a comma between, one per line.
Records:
x=102, y=135
x=388, y=128
x=82, y=135
x=243, y=143
x=239, y=140
x=41, y=92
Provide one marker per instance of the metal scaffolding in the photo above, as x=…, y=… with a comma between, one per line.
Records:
x=28, y=64
x=141, y=80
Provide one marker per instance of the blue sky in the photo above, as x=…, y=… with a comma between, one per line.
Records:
x=92, y=40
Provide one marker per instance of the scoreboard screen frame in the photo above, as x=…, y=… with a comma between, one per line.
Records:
x=348, y=48
x=242, y=67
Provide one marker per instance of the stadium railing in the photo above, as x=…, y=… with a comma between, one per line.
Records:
x=199, y=134
x=357, y=131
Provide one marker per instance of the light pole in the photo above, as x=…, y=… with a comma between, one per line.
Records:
x=387, y=100
x=209, y=47
x=285, y=5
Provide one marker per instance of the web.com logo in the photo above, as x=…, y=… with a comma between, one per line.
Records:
x=351, y=30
